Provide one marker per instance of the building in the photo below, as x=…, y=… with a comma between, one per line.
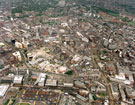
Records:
x=18, y=79
x=51, y=82
x=62, y=69
x=82, y=98
x=79, y=84
x=18, y=45
x=93, y=89
x=25, y=44
x=122, y=93
x=101, y=88
x=130, y=92
x=106, y=102
x=115, y=90
x=68, y=84
x=94, y=74
x=84, y=93
x=17, y=55
x=125, y=75
x=41, y=82
x=124, y=103
x=3, y=90
x=67, y=100
x=41, y=79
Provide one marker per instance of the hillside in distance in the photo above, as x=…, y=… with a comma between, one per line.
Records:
x=124, y=6
x=119, y=6
x=115, y=5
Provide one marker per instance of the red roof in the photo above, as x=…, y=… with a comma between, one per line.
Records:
x=45, y=33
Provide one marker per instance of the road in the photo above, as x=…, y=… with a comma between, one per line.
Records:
x=111, y=98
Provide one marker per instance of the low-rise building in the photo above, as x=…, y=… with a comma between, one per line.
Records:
x=79, y=84
x=18, y=45
x=41, y=79
x=115, y=90
x=51, y=82
x=122, y=93
x=3, y=90
x=41, y=82
x=94, y=74
x=17, y=55
x=82, y=98
x=68, y=84
x=18, y=79
x=130, y=92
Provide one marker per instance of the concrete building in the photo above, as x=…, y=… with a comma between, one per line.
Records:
x=125, y=74
x=115, y=90
x=122, y=93
x=17, y=55
x=67, y=100
x=3, y=90
x=123, y=103
x=18, y=79
x=41, y=82
x=68, y=84
x=41, y=79
x=51, y=82
x=18, y=45
x=130, y=92
x=79, y=84
x=25, y=44
x=84, y=93
x=82, y=98
x=94, y=74
x=101, y=88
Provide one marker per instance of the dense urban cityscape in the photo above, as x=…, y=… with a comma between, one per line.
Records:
x=65, y=52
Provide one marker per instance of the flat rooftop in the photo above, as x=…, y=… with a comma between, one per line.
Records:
x=18, y=77
x=3, y=90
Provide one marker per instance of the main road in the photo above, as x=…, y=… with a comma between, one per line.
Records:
x=111, y=98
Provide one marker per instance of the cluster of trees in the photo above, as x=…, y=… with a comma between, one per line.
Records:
x=70, y=72
x=113, y=5
x=31, y=5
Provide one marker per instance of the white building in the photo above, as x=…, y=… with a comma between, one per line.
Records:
x=41, y=82
x=68, y=84
x=106, y=102
x=18, y=45
x=17, y=55
x=41, y=79
x=121, y=76
x=3, y=90
x=123, y=103
x=18, y=79
x=51, y=82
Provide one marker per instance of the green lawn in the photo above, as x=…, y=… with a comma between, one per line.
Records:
x=23, y=104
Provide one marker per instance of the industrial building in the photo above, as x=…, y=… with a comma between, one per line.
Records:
x=41, y=79
x=3, y=90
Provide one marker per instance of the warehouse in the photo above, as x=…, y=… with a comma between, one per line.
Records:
x=3, y=90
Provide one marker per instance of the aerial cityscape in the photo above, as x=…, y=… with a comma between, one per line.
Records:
x=67, y=52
